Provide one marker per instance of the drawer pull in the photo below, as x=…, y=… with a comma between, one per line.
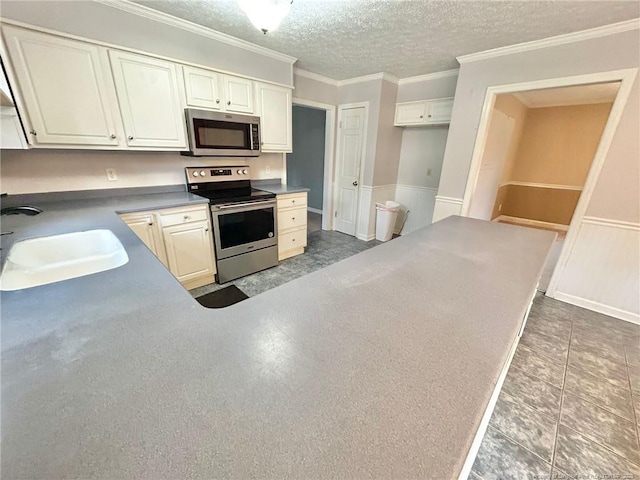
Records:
x=187, y=217
x=293, y=201
x=293, y=218
x=293, y=239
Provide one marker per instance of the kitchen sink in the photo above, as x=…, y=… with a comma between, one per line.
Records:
x=43, y=260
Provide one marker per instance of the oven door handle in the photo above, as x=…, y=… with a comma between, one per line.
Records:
x=247, y=204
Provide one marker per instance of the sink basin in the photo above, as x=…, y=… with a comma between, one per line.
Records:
x=38, y=261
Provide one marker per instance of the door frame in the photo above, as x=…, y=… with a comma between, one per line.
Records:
x=341, y=108
x=329, y=156
x=626, y=77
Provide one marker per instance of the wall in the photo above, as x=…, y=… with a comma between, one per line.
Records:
x=422, y=149
x=39, y=170
x=556, y=148
x=558, y=144
x=314, y=90
x=305, y=166
x=110, y=24
x=615, y=202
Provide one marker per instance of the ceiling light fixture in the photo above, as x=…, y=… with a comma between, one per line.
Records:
x=265, y=15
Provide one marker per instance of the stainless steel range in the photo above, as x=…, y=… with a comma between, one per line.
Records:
x=244, y=220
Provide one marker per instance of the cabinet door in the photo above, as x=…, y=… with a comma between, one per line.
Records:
x=202, y=88
x=149, y=100
x=238, y=94
x=66, y=88
x=189, y=250
x=410, y=113
x=275, y=118
x=439, y=111
x=144, y=225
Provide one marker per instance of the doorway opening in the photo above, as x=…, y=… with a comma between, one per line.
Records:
x=538, y=154
x=310, y=165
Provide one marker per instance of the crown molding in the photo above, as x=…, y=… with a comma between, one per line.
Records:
x=315, y=76
x=176, y=22
x=429, y=76
x=368, y=78
x=597, y=32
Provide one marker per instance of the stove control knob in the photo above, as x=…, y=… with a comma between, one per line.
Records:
x=245, y=171
x=195, y=174
x=202, y=174
x=239, y=172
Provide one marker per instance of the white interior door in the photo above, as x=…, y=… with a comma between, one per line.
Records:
x=350, y=141
x=493, y=163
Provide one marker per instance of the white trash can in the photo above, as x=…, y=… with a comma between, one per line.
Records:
x=386, y=215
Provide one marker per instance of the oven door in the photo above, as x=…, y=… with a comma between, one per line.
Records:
x=245, y=227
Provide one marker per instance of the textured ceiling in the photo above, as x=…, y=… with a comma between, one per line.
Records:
x=349, y=38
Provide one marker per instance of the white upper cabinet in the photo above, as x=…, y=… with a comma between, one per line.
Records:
x=66, y=89
x=274, y=108
x=238, y=94
x=149, y=100
x=410, y=113
x=202, y=88
x=425, y=112
x=439, y=111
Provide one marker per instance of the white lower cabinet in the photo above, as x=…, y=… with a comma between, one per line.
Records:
x=292, y=224
x=181, y=239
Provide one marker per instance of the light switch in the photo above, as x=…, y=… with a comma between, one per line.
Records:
x=112, y=176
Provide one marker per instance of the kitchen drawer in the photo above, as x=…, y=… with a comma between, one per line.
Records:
x=177, y=216
x=291, y=240
x=292, y=200
x=292, y=218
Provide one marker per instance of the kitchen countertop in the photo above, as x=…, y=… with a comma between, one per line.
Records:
x=380, y=365
x=277, y=188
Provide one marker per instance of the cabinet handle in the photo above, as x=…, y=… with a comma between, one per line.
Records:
x=229, y=102
x=187, y=217
x=113, y=135
x=421, y=116
x=217, y=100
x=293, y=239
x=130, y=137
x=293, y=201
x=33, y=132
x=429, y=116
x=206, y=229
x=293, y=218
x=150, y=224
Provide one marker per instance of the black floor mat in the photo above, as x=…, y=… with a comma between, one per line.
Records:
x=222, y=298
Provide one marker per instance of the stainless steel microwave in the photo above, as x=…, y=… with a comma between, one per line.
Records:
x=219, y=134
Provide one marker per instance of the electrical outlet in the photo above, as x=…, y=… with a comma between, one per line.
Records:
x=428, y=172
x=112, y=176
x=500, y=207
x=267, y=170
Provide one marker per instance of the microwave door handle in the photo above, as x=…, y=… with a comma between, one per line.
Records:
x=251, y=137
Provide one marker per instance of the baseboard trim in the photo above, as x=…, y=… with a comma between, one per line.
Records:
x=598, y=307
x=526, y=221
x=366, y=238
x=314, y=210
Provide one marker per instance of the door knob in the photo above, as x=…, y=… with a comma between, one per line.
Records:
x=355, y=184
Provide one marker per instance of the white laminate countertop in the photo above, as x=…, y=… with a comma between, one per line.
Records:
x=379, y=366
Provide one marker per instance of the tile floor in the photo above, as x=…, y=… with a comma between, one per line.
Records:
x=570, y=405
x=323, y=249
